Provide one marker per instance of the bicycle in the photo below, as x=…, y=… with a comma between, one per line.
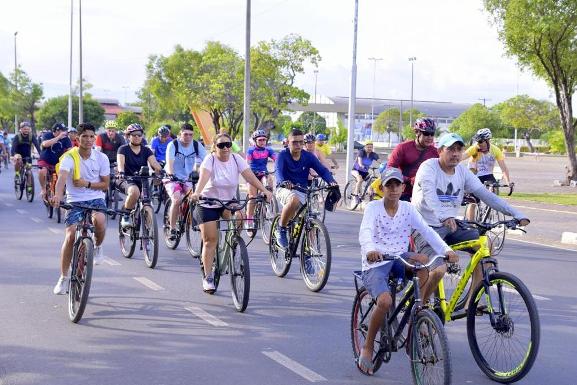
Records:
x=231, y=253
x=496, y=348
x=82, y=260
x=144, y=227
x=24, y=181
x=50, y=188
x=350, y=198
x=315, y=263
x=159, y=195
x=318, y=199
x=112, y=196
x=264, y=212
x=426, y=342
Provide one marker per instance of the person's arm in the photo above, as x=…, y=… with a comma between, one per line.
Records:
x=366, y=231
x=470, y=152
x=170, y=154
x=15, y=142
x=505, y=170
x=154, y=163
x=324, y=172
x=395, y=160
x=280, y=168
x=36, y=145
x=203, y=178
x=426, y=179
x=98, y=143
x=360, y=160
x=120, y=159
x=430, y=235
x=497, y=203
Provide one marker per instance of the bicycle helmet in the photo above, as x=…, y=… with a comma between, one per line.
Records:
x=133, y=128
x=309, y=138
x=321, y=137
x=425, y=125
x=110, y=124
x=164, y=131
x=382, y=167
x=72, y=129
x=258, y=134
x=59, y=127
x=483, y=134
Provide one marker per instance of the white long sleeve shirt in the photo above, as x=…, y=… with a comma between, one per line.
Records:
x=390, y=235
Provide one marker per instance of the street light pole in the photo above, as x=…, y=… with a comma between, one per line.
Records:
x=374, y=59
x=412, y=60
x=316, y=71
x=80, y=102
x=15, y=81
x=246, y=107
x=70, y=64
x=352, y=97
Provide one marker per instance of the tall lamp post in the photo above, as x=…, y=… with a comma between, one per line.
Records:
x=70, y=65
x=314, y=131
x=352, y=96
x=80, y=101
x=246, y=106
x=15, y=81
x=412, y=60
x=374, y=59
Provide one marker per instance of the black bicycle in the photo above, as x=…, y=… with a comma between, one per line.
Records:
x=185, y=223
x=264, y=212
x=351, y=199
x=112, y=196
x=24, y=181
x=144, y=226
x=425, y=341
x=159, y=195
x=315, y=254
x=82, y=260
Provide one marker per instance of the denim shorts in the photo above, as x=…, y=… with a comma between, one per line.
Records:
x=74, y=215
x=376, y=280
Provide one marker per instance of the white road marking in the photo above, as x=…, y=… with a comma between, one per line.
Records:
x=54, y=230
x=36, y=219
x=542, y=244
x=294, y=366
x=9, y=204
x=148, y=283
x=209, y=318
x=550, y=210
x=111, y=262
x=21, y=211
x=537, y=297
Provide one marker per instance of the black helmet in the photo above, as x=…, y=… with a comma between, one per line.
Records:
x=425, y=125
x=59, y=127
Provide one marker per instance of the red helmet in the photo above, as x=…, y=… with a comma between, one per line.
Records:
x=133, y=128
x=425, y=125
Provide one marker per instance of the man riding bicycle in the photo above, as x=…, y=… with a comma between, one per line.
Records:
x=409, y=155
x=110, y=141
x=86, y=177
x=292, y=168
x=54, y=144
x=484, y=155
x=323, y=147
x=183, y=156
x=257, y=157
x=21, y=150
x=130, y=158
x=160, y=143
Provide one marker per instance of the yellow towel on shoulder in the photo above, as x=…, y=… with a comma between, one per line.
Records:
x=73, y=152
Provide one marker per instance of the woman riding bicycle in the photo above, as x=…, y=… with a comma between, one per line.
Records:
x=365, y=157
x=219, y=178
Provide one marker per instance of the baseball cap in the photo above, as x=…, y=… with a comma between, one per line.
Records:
x=391, y=173
x=449, y=139
x=25, y=124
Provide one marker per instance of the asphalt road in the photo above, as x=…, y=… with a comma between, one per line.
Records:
x=144, y=326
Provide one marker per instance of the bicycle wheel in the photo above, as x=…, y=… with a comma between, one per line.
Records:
x=18, y=188
x=317, y=206
x=505, y=348
x=351, y=201
x=453, y=276
x=239, y=274
x=149, y=236
x=29, y=187
x=59, y=215
x=171, y=244
x=267, y=213
x=360, y=317
x=496, y=234
x=46, y=201
x=193, y=237
x=80, y=278
x=429, y=350
x=157, y=197
x=127, y=239
x=315, y=255
x=280, y=259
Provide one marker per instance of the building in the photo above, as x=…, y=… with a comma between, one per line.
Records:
x=112, y=108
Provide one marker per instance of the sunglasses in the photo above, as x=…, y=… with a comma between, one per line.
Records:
x=427, y=134
x=136, y=135
x=223, y=145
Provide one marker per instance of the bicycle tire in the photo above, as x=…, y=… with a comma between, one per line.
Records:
x=429, y=347
x=351, y=202
x=58, y=215
x=127, y=240
x=29, y=187
x=149, y=236
x=46, y=201
x=315, y=263
x=505, y=330
x=317, y=206
x=18, y=188
x=157, y=197
x=498, y=234
x=239, y=269
x=193, y=236
x=268, y=212
x=453, y=276
x=80, y=278
x=280, y=262
x=171, y=244
x=360, y=317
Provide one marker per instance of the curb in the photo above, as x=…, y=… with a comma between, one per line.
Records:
x=569, y=238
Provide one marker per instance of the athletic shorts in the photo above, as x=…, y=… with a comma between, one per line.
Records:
x=284, y=195
x=203, y=214
x=460, y=235
x=44, y=164
x=124, y=185
x=74, y=215
x=376, y=280
x=177, y=187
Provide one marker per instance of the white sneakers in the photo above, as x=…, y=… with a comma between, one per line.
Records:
x=208, y=285
x=98, y=255
x=61, y=287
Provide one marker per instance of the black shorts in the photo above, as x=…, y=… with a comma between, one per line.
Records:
x=124, y=185
x=488, y=178
x=203, y=214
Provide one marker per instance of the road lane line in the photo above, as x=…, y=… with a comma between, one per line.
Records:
x=294, y=366
x=55, y=231
x=550, y=210
x=541, y=244
x=207, y=317
x=9, y=204
x=537, y=297
x=148, y=283
x=36, y=219
x=21, y=211
x=111, y=262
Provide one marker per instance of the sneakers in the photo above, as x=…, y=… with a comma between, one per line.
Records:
x=282, y=237
x=173, y=235
x=98, y=255
x=125, y=221
x=208, y=285
x=61, y=287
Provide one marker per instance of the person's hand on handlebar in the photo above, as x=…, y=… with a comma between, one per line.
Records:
x=334, y=184
x=451, y=224
x=452, y=256
x=194, y=197
x=268, y=195
x=286, y=184
x=373, y=256
x=524, y=222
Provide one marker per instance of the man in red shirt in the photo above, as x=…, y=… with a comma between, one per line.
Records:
x=409, y=155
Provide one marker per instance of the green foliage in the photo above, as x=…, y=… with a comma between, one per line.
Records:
x=475, y=118
x=126, y=118
x=313, y=122
x=556, y=142
x=24, y=95
x=6, y=105
x=338, y=136
x=388, y=121
x=525, y=113
x=55, y=110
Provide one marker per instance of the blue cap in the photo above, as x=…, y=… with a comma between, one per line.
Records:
x=449, y=139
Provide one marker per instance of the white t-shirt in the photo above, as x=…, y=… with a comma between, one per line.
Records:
x=91, y=170
x=224, y=176
x=390, y=235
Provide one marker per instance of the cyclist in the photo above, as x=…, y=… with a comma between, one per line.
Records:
x=21, y=150
x=130, y=158
x=110, y=141
x=183, y=155
x=484, y=155
x=323, y=147
x=6, y=153
x=385, y=229
x=257, y=157
x=2, y=148
x=409, y=155
x=365, y=157
x=376, y=187
x=73, y=135
x=86, y=177
x=219, y=178
x=437, y=195
x=54, y=144
x=292, y=168
x=310, y=146
x=160, y=143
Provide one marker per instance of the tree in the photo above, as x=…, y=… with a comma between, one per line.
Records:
x=388, y=121
x=125, y=118
x=541, y=36
x=476, y=117
x=25, y=96
x=55, y=110
x=313, y=122
x=6, y=105
x=527, y=114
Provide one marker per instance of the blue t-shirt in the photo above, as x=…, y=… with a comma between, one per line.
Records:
x=159, y=148
x=185, y=159
x=366, y=159
x=52, y=154
x=257, y=157
x=297, y=171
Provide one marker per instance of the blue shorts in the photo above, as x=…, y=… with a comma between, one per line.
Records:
x=376, y=280
x=74, y=215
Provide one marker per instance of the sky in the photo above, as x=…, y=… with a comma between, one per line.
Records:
x=458, y=55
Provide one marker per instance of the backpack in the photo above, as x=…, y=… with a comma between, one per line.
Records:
x=176, y=152
x=21, y=138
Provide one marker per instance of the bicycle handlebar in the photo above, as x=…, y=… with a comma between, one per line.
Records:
x=232, y=204
x=307, y=190
x=417, y=266
x=512, y=224
x=511, y=186
x=107, y=211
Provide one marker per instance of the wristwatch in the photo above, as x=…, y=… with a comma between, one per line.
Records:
x=89, y=185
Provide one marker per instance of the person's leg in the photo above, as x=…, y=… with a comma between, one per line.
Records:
x=384, y=302
x=99, y=221
x=66, y=250
x=289, y=210
x=359, y=181
x=42, y=180
x=176, y=201
x=252, y=191
x=209, y=234
x=132, y=194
